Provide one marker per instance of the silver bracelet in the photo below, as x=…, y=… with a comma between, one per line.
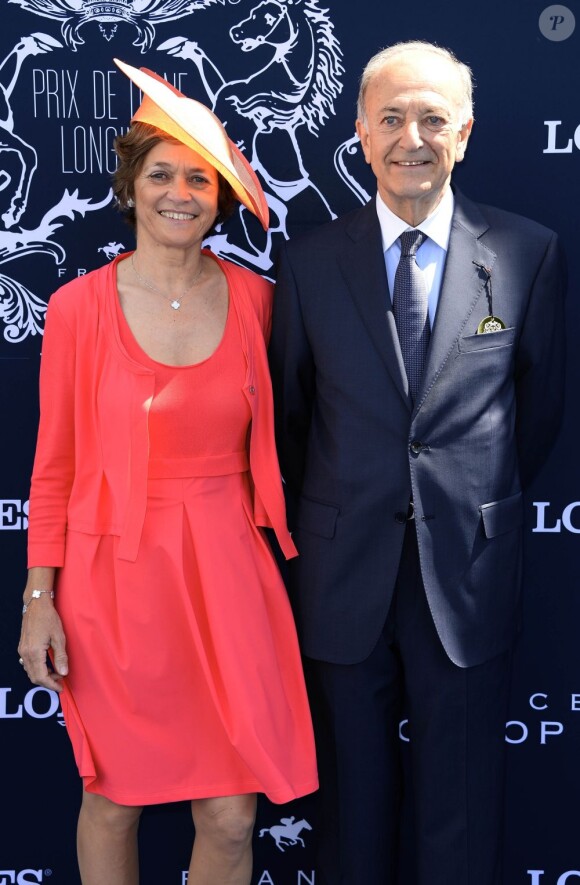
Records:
x=36, y=594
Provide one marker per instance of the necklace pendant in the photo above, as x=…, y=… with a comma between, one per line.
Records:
x=176, y=305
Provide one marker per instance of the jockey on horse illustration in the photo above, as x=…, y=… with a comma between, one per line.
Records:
x=286, y=833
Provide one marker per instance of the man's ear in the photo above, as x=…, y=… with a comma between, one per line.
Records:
x=364, y=139
x=462, y=139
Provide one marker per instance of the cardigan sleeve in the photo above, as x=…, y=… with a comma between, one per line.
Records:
x=54, y=462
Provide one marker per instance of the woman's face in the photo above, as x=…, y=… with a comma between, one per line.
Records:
x=176, y=197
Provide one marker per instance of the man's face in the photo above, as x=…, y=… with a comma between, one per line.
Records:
x=411, y=135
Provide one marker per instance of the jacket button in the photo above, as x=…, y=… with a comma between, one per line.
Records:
x=252, y=389
x=400, y=516
x=417, y=447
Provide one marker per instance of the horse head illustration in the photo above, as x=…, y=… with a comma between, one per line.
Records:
x=295, y=89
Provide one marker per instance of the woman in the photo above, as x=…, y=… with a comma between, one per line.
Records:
x=155, y=465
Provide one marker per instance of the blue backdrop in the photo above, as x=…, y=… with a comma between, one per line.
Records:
x=284, y=75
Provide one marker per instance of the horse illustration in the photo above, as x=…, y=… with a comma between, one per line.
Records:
x=20, y=153
x=286, y=833
x=111, y=250
x=296, y=88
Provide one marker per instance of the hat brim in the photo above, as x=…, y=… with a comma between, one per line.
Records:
x=196, y=126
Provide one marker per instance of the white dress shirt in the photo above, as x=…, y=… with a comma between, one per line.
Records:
x=431, y=255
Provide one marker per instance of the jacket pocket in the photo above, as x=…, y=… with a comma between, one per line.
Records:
x=317, y=517
x=502, y=516
x=487, y=341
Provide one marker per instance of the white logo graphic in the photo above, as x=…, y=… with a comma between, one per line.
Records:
x=541, y=730
x=537, y=730
x=142, y=14
x=556, y=146
x=21, y=311
x=111, y=250
x=303, y=877
x=24, y=877
x=295, y=77
x=38, y=703
x=287, y=832
x=548, y=524
x=296, y=88
x=10, y=143
x=517, y=732
x=537, y=877
x=13, y=515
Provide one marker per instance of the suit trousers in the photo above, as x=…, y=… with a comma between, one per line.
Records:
x=450, y=779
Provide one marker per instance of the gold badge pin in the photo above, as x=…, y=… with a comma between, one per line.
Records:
x=490, y=324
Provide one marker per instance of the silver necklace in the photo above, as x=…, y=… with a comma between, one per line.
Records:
x=175, y=303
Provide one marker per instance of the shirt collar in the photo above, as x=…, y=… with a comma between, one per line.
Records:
x=436, y=226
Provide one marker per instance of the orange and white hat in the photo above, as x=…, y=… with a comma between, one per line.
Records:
x=194, y=125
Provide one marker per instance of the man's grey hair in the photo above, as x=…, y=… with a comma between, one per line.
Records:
x=378, y=62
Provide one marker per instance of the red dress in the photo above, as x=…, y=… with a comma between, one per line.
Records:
x=185, y=675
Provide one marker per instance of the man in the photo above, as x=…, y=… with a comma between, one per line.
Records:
x=415, y=400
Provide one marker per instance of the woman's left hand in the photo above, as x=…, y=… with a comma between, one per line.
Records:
x=42, y=631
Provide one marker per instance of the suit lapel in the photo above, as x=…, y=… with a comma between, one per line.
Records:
x=462, y=288
x=363, y=267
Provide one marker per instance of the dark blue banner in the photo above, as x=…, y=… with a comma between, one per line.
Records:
x=283, y=76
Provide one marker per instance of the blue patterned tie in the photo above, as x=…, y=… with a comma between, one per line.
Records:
x=410, y=309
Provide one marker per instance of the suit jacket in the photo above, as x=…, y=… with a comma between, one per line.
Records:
x=354, y=449
x=90, y=468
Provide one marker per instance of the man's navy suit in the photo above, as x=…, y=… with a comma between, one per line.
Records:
x=355, y=450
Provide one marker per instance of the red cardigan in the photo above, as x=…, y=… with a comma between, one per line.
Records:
x=90, y=468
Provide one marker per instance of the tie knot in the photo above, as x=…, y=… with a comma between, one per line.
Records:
x=410, y=242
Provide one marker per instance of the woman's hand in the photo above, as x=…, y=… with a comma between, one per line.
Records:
x=41, y=631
